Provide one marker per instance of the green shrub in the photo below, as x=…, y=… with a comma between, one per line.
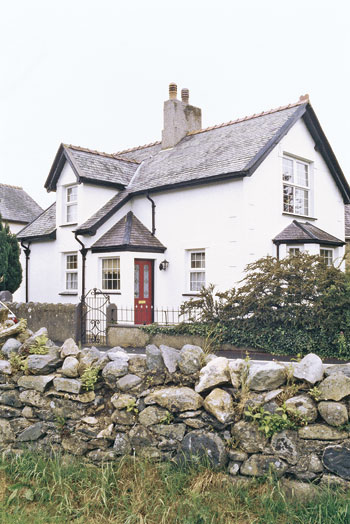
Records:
x=289, y=306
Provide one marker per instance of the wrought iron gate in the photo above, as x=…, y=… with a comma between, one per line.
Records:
x=94, y=317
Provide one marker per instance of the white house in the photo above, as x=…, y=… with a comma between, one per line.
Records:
x=17, y=208
x=149, y=226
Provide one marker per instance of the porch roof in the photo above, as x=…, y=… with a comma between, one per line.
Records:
x=306, y=233
x=129, y=234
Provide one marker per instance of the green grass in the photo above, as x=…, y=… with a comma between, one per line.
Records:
x=42, y=490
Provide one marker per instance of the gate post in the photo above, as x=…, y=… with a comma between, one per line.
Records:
x=78, y=323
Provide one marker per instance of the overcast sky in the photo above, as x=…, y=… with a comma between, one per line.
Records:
x=95, y=73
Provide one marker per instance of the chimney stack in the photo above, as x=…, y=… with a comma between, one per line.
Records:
x=180, y=118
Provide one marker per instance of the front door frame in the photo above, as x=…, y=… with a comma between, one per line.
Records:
x=151, y=261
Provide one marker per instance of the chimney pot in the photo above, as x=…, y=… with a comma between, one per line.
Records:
x=172, y=91
x=304, y=98
x=185, y=95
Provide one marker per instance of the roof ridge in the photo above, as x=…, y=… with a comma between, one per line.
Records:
x=250, y=117
x=13, y=187
x=301, y=101
x=137, y=148
x=303, y=228
x=100, y=153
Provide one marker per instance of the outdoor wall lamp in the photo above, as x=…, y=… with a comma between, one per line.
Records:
x=164, y=265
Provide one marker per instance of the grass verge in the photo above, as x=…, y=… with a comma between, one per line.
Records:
x=63, y=489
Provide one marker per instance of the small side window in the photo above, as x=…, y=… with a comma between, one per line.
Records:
x=197, y=270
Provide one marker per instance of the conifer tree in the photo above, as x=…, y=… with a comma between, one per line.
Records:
x=10, y=266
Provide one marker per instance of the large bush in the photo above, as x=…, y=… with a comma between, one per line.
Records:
x=289, y=306
x=10, y=266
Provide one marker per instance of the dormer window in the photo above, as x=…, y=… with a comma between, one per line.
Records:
x=71, y=204
x=296, y=186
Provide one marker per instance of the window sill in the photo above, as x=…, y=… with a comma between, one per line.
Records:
x=107, y=292
x=298, y=216
x=69, y=224
x=193, y=294
x=69, y=293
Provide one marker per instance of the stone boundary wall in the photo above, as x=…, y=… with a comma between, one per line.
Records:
x=134, y=336
x=247, y=417
x=61, y=320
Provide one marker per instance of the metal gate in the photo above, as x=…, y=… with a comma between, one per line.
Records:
x=94, y=317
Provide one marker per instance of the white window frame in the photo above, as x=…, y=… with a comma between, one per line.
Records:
x=295, y=186
x=196, y=270
x=328, y=260
x=71, y=271
x=111, y=290
x=70, y=204
x=292, y=247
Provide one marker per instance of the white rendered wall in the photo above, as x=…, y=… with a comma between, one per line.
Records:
x=234, y=221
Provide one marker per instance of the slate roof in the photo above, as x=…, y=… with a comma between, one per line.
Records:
x=43, y=227
x=306, y=233
x=233, y=149
x=92, y=166
x=16, y=205
x=222, y=150
x=129, y=234
x=347, y=221
x=91, y=225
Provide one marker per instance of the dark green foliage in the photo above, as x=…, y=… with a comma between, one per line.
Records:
x=289, y=306
x=10, y=266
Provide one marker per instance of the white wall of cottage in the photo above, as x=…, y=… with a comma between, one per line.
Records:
x=233, y=221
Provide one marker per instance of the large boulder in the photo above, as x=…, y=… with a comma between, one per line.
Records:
x=304, y=406
x=190, y=360
x=128, y=382
x=42, y=364
x=6, y=433
x=236, y=368
x=321, y=432
x=170, y=431
x=200, y=444
x=334, y=387
x=5, y=367
x=261, y=465
x=33, y=432
x=69, y=349
x=11, y=398
x=337, y=460
x=215, y=373
x=175, y=399
x=121, y=444
x=286, y=446
x=334, y=413
x=262, y=377
x=69, y=385
x=70, y=367
x=123, y=400
x=114, y=370
x=249, y=437
x=153, y=415
x=38, y=382
x=310, y=369
x=155, y=362
x=170, y=358
x=220, y=404
x=11, y=345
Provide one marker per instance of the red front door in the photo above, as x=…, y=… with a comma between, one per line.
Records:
x=143, y=291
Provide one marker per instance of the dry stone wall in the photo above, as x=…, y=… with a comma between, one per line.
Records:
x=247, y=417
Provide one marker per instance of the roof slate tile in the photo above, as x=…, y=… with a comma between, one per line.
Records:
x=16, y=205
